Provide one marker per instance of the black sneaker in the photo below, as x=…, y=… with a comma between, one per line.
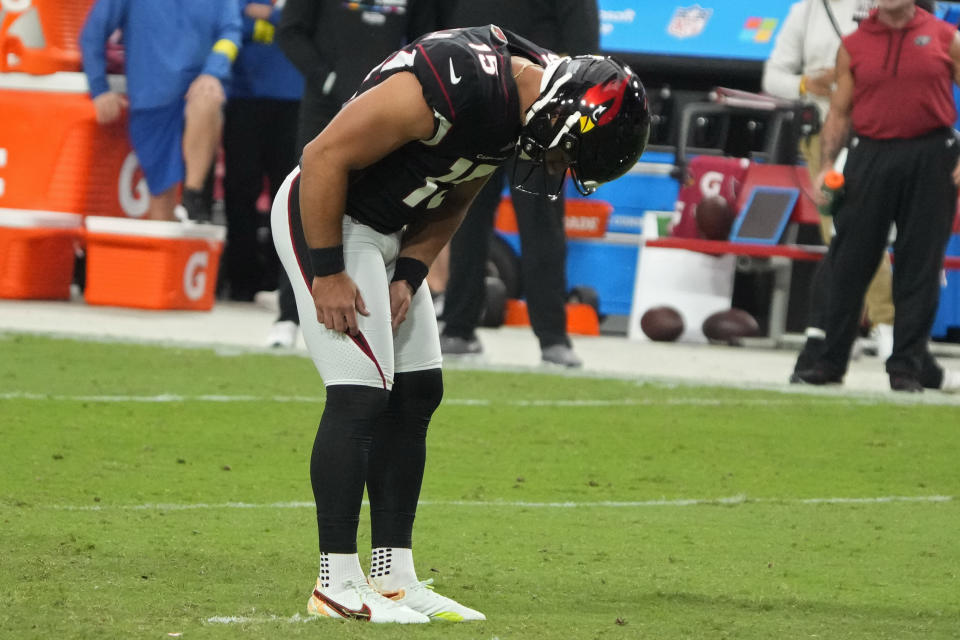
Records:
x=906, y=383
x=196, y=205
x=815, y=375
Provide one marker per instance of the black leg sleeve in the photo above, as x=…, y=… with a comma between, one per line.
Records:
x=398, y=456
x=338, y=465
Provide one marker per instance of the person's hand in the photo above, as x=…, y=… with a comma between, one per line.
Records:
x=956, y=174
x=819, y=197
x=401, y=296
x=109, y=106
x=821, y=81
x=258, y=11
x=208, y=86
x=338, y=300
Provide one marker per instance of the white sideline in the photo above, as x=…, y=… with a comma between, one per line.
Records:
x=520, y=504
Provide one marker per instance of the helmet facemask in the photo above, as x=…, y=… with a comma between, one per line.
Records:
x=546, y=128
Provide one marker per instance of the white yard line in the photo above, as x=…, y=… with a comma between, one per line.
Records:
x=168, y=398
x=295, y=618
x=520, y=504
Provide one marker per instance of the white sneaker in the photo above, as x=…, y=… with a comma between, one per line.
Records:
x=283, y=335
x=882, y=335
x=358, y=601
x=421, y=597
x=951, y=381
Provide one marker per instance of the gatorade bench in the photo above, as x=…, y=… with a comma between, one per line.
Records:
x=785, y=253
x=773, y=201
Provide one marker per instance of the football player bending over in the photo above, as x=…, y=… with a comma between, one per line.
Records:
x=377, y=195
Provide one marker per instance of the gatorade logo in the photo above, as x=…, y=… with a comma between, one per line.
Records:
x=195, y=275
x=710, y=183
x=15, y=6
x=132, y=188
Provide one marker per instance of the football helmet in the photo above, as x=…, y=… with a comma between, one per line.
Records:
x=594, y=109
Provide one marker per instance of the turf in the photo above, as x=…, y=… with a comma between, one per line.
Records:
x=147, y=491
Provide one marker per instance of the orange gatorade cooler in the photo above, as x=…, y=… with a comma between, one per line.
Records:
x=40, y=36
x=55, y=157
x=152, y=264
x=37, y=252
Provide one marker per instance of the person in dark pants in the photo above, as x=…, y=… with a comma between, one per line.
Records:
x=571, y=27
x=902, y=169
x=334, y=45
x=259, y=140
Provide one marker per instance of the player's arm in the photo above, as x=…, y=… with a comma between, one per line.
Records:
x=368, y=128
x=424, y=238
x=836, y=128
x=422, y=242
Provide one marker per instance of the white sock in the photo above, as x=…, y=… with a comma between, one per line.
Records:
x=392, y=567
x=338, y=568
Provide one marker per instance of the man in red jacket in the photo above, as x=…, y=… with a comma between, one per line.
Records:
x=894, y=95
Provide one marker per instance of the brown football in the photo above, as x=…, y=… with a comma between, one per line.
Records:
x=715, y=218
x=730, y=326
x=662, y=324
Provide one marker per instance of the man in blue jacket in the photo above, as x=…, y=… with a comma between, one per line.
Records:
x=178, y=56
x=259, y=141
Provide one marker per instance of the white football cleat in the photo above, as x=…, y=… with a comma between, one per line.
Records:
x=358, y=601
x=421, y=597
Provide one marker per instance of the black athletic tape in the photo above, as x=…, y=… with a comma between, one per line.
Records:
x=411, y=270
x=327, y=261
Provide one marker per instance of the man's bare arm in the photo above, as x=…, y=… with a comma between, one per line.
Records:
x=836, y=129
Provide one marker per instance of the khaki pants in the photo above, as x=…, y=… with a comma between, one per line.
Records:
x=879, y=297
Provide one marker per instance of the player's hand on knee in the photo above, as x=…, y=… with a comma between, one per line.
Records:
x=338, y=300
x=109, y=106
x=956, y=174
x=401, y=296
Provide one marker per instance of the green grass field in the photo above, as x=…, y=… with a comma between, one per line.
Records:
x=147, y=491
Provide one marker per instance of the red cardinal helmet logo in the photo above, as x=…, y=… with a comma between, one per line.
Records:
x=598, y=98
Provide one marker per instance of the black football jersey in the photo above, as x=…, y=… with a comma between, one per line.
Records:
x=467, y=81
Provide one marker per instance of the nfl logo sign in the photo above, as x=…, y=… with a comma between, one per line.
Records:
x=688, y=22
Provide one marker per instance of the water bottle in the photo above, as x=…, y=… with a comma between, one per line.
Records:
x=833, y=185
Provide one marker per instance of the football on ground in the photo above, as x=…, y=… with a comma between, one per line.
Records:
x=662, y=324
x=730, y=326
